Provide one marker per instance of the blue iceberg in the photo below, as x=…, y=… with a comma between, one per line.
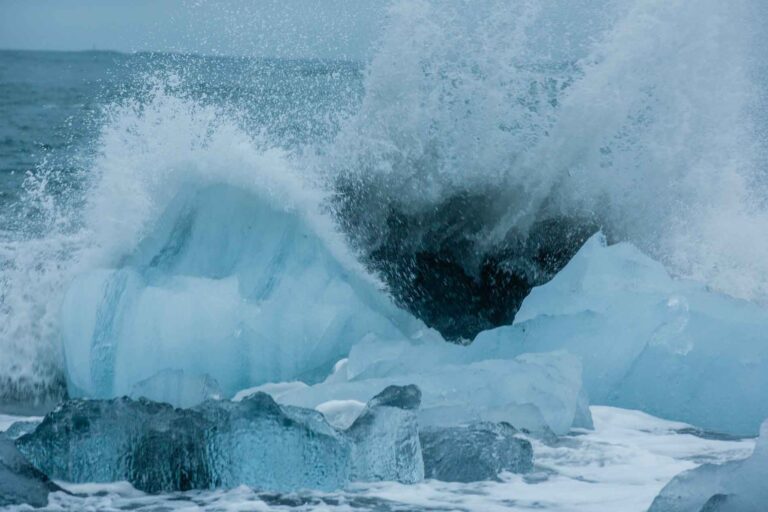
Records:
x=647, y=341
x=217, y=444
x=738, y=486
x=220, y=443
x=230, y=284
x=541, y=393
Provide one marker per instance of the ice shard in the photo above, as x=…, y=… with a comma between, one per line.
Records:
x=738, y=486
x=474, y=452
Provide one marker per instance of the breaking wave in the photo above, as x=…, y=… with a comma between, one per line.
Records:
x=490, y=141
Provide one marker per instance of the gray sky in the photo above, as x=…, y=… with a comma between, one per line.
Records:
x=264, y=28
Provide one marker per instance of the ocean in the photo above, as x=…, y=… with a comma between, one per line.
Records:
x=431, y=187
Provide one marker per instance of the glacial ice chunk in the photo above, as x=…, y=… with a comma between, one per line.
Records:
x=157, y=448
x=88, y=440
x=666, y=346
x=20, y=482
x=385, y=438
x=227, y=283
x=738, y=486
x=474, y=452
x=257, y=443
x=221, y=443
x=538, y=392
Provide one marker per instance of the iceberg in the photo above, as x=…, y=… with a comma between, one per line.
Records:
x=20, y=482
x=541, y=393
x=647, y=341
x=158, y=448
x=96, y=440
x=221, y=443
x=228, y=283
x=737, y=486
x=474, y=452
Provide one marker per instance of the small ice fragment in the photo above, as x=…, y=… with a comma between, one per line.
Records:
x=474, y=452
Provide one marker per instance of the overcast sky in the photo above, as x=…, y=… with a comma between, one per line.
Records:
x=264, y=28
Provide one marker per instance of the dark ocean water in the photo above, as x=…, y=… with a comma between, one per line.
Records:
x=52, y=103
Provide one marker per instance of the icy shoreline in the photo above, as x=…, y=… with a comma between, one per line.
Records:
x=621, y=465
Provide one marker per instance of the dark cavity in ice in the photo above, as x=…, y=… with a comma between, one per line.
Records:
x=438, y=263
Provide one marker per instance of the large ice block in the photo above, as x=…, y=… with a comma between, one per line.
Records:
x=90, y=440
x=647, y=341
x=227, y=283
x=739, y=486
x=221, y=443
x=254, y=442
x=537, y=392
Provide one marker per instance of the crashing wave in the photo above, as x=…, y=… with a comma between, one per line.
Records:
x=490, y=142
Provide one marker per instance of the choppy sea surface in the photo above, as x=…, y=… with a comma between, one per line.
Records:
x=52, y=103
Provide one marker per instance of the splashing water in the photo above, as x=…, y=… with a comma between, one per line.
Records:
x=644, y=118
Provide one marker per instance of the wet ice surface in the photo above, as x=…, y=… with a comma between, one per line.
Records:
x=621, y=465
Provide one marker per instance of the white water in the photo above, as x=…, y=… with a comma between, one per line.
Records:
x=655, y=132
